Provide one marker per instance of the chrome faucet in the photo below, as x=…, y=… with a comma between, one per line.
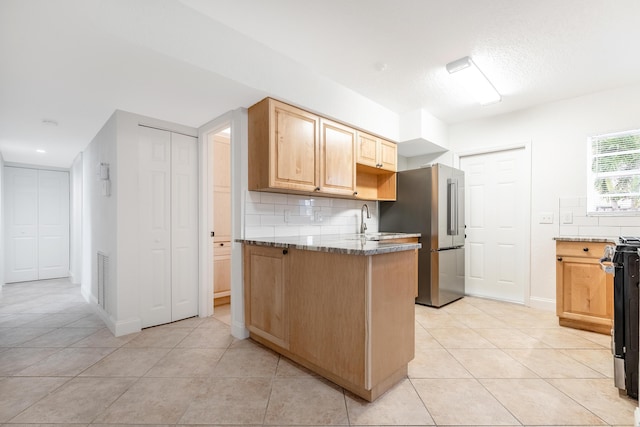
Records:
x=363, y=226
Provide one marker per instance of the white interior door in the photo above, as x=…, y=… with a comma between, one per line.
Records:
x=53, y=224
x=21, y=213
x=497, y=200
x=184, y=226
x=154, y=225
x=37, y=224
x=168, y=224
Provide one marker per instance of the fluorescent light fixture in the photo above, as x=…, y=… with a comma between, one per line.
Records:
x=474, y=81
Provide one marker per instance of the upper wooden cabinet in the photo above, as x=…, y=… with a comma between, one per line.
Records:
x=294, y=151
x=377, y=152
x=283, y=147
x=337, y=155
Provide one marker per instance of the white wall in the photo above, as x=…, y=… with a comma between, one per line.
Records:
x=99, y=216
x=75, y=231
x=1, y=222
x=408, y=163
x=558, y=134
x=110, y=224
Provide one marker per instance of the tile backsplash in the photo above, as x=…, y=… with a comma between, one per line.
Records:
x=274, y=214
x=574, y=222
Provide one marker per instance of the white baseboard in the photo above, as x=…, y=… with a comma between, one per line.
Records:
x=120, y=327
x=238, y=330
x=126, y=327
x=636, y=415
x=88, y=297
x=545, y=304
x=74, y=280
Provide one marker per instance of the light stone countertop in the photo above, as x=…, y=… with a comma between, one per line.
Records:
x=348, y=244
x=587, y=239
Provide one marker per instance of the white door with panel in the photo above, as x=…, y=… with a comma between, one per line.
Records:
x=168, y=226
x=497, y=200
x=53, y=224
x=37, y=224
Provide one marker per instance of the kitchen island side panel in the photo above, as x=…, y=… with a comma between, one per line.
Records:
x=327, y=311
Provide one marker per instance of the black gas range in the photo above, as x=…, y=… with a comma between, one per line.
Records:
x=626, y=263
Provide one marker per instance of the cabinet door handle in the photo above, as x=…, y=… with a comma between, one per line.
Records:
x=316, y=189
x=585, y=249
x=355, y=193
x=221, y=244
x=285, y=251
x=559, y=258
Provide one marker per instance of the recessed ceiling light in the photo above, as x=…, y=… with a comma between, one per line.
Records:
x=49, y=122
x=380, y=66
x=40, y=151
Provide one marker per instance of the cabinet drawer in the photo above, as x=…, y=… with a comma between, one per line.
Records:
x=580, y=249
x=221, y=249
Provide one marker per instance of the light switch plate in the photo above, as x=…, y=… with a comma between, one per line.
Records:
x=546, y=218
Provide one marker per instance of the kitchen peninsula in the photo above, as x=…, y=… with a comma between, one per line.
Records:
x=342, y=306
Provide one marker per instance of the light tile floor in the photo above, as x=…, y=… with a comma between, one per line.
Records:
x=478, y=362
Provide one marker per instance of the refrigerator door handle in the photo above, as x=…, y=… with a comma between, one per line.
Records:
x=452, y=207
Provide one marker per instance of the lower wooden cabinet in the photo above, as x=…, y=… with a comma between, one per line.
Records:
x=349, y=318
x=221, y=273
x=584, y=292
x=265, y=296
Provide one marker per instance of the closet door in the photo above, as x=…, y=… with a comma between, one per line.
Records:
x=154, y=226
x=21, y=213
x=53, y=224
x=168, y=224
x=184, y=226
x=37, y=224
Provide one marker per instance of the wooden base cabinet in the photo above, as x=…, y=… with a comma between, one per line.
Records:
x=266, y=277
x=584, y=292
x=221, y=273
x=348, y=318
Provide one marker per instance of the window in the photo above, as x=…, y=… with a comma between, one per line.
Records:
x=614, y=174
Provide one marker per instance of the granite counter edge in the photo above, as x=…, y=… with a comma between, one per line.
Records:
x=388, y=248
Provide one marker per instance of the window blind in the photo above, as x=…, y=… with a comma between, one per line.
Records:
x=614, y=173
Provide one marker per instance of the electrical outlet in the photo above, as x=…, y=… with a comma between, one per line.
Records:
x=546, y=218
x=567, y=217
x=287, y=215
x=317, y=216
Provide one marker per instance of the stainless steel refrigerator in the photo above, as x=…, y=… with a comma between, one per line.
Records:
x=430, y=201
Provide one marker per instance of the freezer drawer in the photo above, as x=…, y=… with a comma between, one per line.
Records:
x=447, y=276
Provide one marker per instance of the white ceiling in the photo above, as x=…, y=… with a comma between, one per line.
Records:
x=76, y=61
